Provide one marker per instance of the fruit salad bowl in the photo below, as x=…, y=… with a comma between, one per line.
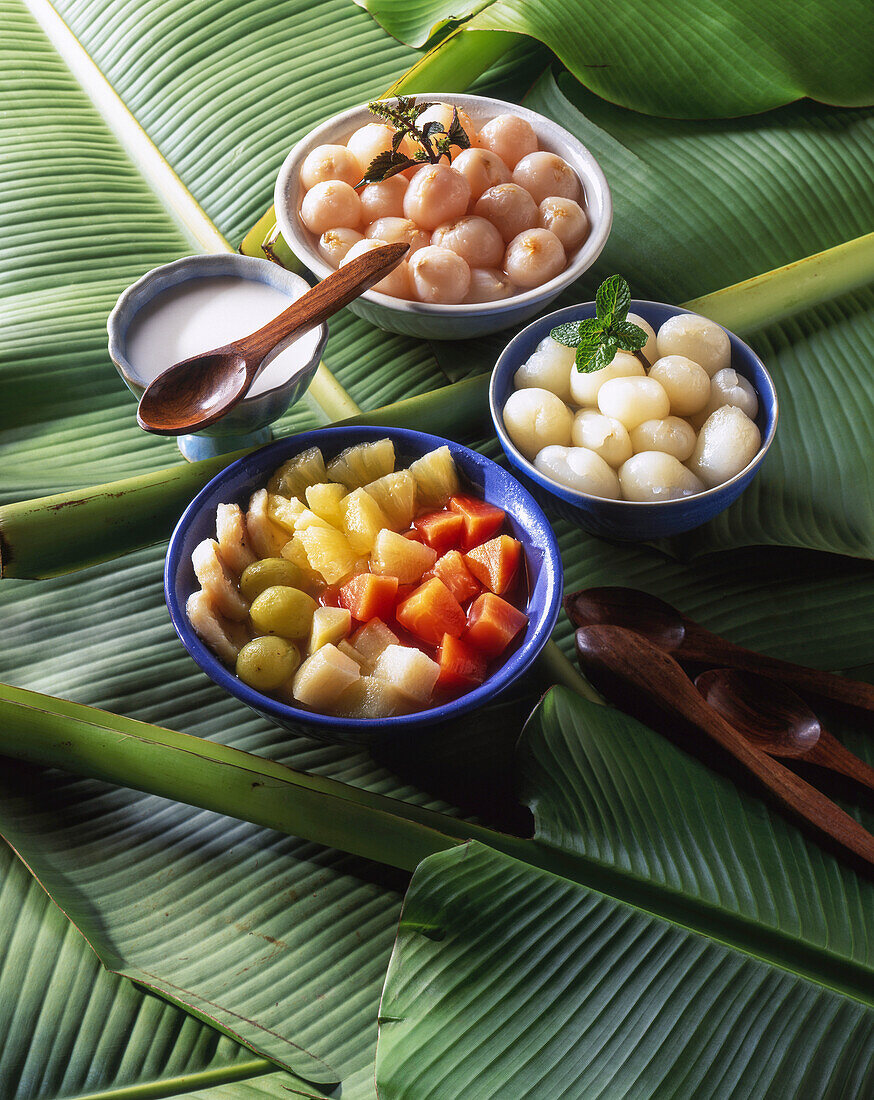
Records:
x=479, y=476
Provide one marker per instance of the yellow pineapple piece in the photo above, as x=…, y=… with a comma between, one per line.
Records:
x=396, y=495
x=328, y=552
x=293, y=476
x=330, y=626
x=308, y=518
x=295, y=552
x=326, y=500
x=396, y=556
x=363, y=519
x=364, y=462
x=283, y=511
x=436, y=478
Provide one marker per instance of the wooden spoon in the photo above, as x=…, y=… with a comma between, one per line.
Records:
x=773, y=717
x=673, y=632
x=198, y=391
x=620, y=660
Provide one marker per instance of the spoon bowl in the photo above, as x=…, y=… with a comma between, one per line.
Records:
x=769, y=714
x=630, y=608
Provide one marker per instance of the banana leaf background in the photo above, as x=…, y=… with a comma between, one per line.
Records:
x=671, y=934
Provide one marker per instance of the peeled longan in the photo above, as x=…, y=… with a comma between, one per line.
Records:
x=436, y=194
x=330, y=205
x=482, y=169
x=370, y=140
x=654, y=475
x=580, y=469
x=487, y=284
x=727, y=443
x=585, y=387
x=474, y=239
x=329, y=162
x=545, y=174
x=534, y=257
x=649, y=350
x=672, y=435
x=335, y=243
x=439, y=275
x=549, y=368
x=443, y=113
x=384, y=199
x=700, y=340
x=604, y=435
x=396, y=283
x=686, y=384
x=399, y=231
x=633, y=400
x=510, y=137
x=727, y=387
x=535, y=418
x=509, y=208
x=566, y=219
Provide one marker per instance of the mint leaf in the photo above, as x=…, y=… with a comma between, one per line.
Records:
x=612, y=300
x=568, y=334
x=631, y=337
x=585, y=361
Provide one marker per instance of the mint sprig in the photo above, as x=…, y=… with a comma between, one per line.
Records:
x=432, y=139
x=598, y=338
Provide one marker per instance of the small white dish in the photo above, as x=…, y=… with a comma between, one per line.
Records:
x=450, y=322
x=248, y=424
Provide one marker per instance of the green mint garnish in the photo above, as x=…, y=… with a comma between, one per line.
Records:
x=598, y=338
x=432, y=139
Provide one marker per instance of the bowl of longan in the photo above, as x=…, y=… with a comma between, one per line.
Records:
x=654, y=442
x=501, y=208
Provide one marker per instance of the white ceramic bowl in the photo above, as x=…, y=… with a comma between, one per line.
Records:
x=450, y=322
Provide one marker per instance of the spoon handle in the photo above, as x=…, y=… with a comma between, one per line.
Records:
x=325, y=299
x=625, y=659
x=828, y=752
x=701, y=645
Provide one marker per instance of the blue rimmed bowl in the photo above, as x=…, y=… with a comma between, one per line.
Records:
x=629, y=520
x=235, y=485
x=248, y=424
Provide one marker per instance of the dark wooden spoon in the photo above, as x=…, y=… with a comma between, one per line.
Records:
x=679, y=635
x=198, y=391
x=622, y=662
x=778, y=720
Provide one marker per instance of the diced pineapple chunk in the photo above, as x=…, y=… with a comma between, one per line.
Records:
x=436, y=477
x=284, y=510
x=293, y=476
x=362, y=463
x=308, y=518
x=330, y=626
x=328, y=552
x=295, y=552
x=350, y=651
x=368, y=697
x=372, y=639
x=224, y=637
x=396, y=556
x=410, y=670
x=325, y=499
x=217, y=581
x=363, y=519
x=323, y=677
x=265, y=537
x=396, y=495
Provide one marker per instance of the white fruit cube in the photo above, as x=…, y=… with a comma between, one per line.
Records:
x=396, y=556
x=323, y=677
x=330, y=626
x=372, y=640
x=410, y=670
x=369, y=697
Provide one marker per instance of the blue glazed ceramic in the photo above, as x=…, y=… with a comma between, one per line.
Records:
x=248, y=424
x=242, y=478
x=629, y=520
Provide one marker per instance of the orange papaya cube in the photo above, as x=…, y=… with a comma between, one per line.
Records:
x=481, y=519
x=495, y=562
x=369, y=596
x=451, y=569
x=492, y=624
x=440, y=530
x=431, y=612
x=460, y=665
x=414, y=535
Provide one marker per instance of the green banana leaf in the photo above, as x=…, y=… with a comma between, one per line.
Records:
x=676, y=58
x=742, y=966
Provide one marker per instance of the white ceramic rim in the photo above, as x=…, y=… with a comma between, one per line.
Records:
x=593, y=181
x=565, y=492
x=208, y=259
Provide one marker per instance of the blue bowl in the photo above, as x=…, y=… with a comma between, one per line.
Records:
x=628, y=520
x=235, y=484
